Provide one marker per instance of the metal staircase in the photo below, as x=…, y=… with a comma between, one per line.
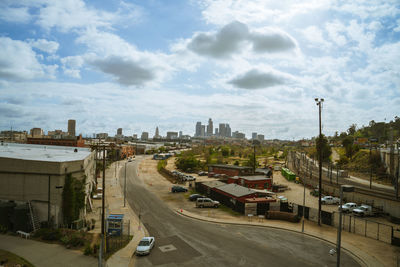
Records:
x=35, y=223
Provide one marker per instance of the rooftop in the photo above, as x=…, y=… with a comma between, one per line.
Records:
x=42, y=152
x=236, y=190
x=231, y=166
x=213, y=183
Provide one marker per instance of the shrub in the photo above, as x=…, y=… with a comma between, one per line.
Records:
x=88, y=249
x=48, y=234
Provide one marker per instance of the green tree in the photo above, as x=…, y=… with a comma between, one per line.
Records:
x=322, y=143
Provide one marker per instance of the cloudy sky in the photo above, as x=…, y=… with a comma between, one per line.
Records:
x=257, y=65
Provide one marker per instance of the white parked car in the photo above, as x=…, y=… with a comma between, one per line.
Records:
x=363, y=210
x=145, y=246
x=330, y=200
x=348, y=207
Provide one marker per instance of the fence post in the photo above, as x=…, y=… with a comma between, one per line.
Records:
x=378, y=232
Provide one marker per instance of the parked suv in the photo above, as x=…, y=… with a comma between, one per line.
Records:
x=206, y=202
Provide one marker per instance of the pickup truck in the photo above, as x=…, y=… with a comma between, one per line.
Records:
x=348, y=207
x=330, y=200
x=363, y=210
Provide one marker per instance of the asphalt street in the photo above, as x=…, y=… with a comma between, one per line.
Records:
x=182, y=241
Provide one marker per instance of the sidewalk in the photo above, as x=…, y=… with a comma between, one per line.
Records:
x=44, y=254
x=114, y=204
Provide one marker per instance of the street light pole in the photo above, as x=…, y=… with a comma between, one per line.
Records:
x=319, y=104
x=304, y=200
x=343, y=188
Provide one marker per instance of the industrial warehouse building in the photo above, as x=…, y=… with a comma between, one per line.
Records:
x=35, y=174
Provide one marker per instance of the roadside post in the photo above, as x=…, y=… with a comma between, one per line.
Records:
x=343, y=188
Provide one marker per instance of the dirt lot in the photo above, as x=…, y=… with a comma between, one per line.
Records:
x=162, y=187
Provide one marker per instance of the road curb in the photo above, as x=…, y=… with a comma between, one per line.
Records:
x=355, y=256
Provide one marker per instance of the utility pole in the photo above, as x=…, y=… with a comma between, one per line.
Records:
x=125, y=185
x=48, y=204
x=370, y=164
x=398, y=170
x=102, y=209
x=254, y=158
x=319, y=104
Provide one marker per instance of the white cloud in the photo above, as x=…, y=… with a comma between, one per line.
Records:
x=18, y=61
x=334, y=30
x=49, y=47
x=71, y=66
x=315, y=37
x=234, y=37
x=112, y=55
x=221, y=12
x=221, y=44
x=255, y=79
x=14, y=14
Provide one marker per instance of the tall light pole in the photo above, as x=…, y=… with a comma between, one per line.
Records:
x=304, y=196
x=343, y=188
x=319, y=102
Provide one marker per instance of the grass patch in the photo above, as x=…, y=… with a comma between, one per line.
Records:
x=10, y=259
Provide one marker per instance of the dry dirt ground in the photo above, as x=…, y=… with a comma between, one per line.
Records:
x=162, y=187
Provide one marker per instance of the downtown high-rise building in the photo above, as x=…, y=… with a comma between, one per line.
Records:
x=253, y=136
x=198, y=129
x=203, y=131
x=71, y=127
x=224, y=130
x=210, y=127
x=119, y=131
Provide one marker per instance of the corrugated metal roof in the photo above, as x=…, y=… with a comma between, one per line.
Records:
x=236, y=190
x=213, y=184
x=43, y=152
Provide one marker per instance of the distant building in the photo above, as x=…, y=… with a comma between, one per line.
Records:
x=210, y=127
x=58, y=134
x=134, y=137
x=71, y=127
x=180, y=134
x=157, y=134
x=198, y=129
x=102, y=135
x=144, y=136
x=203, y=131
x=253, y=136
x=238, y=135
x=36, y=133
x=172, y=135
x=75, y=141
x=222, y=130
x=17, y=136
x=119, y=131
x=216, y=132
x=260, y=137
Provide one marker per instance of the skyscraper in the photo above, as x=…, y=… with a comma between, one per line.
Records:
x=210, y=127
x=198, y=129
x=228, y=130
x=119, y=131
x=71, y=127
x=254, y=136
x=222, y=130
x=203, y=131
x=157, y=134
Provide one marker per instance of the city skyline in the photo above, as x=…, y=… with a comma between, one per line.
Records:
x=257, y=65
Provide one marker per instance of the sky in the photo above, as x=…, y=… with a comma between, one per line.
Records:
x=257, y=65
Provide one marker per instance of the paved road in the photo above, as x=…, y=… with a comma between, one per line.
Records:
x=182, y=241
x=45, y=255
